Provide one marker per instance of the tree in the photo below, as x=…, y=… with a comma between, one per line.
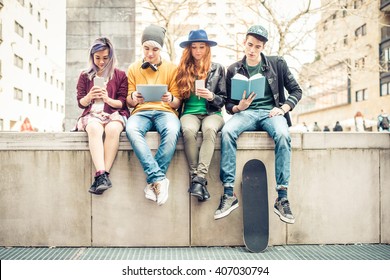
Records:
x=172, y=16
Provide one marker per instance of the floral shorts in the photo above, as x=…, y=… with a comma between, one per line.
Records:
x=100, y=117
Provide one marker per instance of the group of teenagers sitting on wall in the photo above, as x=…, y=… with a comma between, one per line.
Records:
x=186, y=108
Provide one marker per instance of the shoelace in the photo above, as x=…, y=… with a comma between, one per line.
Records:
x=156, y=188
x=222, y=203
x=286, y=207
x=101, y=180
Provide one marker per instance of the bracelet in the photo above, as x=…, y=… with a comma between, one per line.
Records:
x=284, y=112
x=172, y=97
x=85, y=97
x=131, y=95
x=212, y=97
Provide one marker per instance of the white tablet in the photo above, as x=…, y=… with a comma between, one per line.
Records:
x=152, y=92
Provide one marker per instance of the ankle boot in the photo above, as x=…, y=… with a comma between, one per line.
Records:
x=206, y=195
x=196, y=188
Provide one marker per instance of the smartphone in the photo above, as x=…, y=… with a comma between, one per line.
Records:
x=199, y=84
x=99, y=81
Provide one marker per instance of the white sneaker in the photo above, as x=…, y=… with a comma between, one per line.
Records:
x=162, y=191
x=149, y=192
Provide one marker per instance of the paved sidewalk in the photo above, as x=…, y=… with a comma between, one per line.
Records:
x=288, y=252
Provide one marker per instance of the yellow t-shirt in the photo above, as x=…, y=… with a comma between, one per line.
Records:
x=166, y=74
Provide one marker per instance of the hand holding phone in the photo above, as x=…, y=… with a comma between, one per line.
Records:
x=99, y=81
x=198, y=85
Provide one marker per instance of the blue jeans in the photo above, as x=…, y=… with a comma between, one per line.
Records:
x=254, y=120
x=167, y=125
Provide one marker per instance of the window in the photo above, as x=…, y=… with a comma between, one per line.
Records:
x=361, y=31
x=29, y=98
x=1, y=124
x=361, y=95
x=357, y=4
x=345, y=41
x=18, y=61
x=385, y=59
x=46, y=24
x=360, y=63
x=19, y=29
x=385, y=89
x=1, y=31
x=38, y=101
x=30, y=38
x=30, y=68
x=18, y=94
x=38, y=73
x=38, y=44
x=39, y=16
x=31, y=9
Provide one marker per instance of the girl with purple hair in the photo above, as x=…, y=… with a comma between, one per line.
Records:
x=105, y=110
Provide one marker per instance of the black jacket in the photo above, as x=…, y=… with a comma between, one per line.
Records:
x=216, y=83
x=278, y=76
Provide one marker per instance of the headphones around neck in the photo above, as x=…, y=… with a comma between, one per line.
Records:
x=147, y=64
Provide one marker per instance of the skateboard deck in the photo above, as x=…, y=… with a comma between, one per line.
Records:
x=255, y=206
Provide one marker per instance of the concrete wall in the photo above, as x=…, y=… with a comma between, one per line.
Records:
x=340, y=193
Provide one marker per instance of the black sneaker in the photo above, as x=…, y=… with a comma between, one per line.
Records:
x=282, y=209
x=226, y=206
x=103, y=183
x=92, y=189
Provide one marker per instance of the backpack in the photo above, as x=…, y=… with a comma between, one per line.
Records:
x=385, y=123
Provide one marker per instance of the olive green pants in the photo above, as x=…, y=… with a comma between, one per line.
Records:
x=199, y=158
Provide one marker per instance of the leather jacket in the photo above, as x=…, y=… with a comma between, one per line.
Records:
x=216, y=83
x=278, y=75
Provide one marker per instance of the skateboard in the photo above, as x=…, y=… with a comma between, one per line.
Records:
x=255, y=206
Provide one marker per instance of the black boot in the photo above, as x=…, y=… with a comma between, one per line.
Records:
x=196, y=188
x=206, y=195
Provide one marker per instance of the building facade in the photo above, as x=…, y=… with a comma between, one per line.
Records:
x=31, y=83
x=350, y=73
x=85, y=21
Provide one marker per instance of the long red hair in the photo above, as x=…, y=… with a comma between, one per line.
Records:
x=188, y=71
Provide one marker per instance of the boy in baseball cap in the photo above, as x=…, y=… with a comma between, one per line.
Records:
x=268, y=113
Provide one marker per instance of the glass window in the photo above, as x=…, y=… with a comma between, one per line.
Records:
x=18, y=94
x=19, y=29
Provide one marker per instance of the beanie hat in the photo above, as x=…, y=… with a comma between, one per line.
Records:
x=154, y=33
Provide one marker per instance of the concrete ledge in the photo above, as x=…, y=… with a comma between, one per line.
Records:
x=340, y=193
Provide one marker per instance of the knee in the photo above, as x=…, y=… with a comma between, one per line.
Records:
x=227, y=132
x=188, y=132
x=282, y=135
x=113, y=132
x=94, y=129
x=209, y=132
